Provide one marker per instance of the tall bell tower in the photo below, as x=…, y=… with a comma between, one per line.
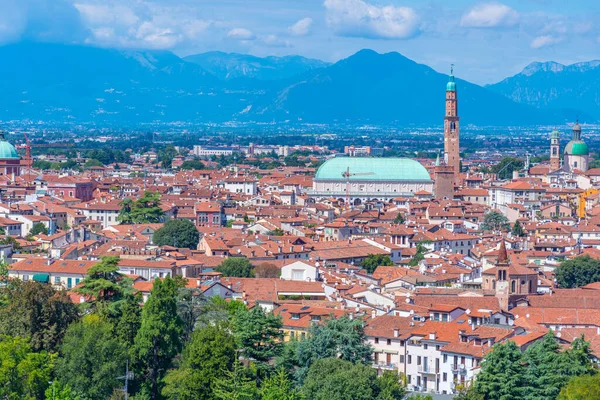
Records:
x=451, y=128
x=555, y=150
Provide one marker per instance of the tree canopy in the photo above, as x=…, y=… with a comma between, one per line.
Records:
x=91, y=358
x=38, y=228
x=336, y=379
x=211, y=351
x=239, y=267
x=538, y=373
x=372, y=261
x=495, y=221
x=159, y=338
x=144, y=210
x=581, y=388
x=192, y=165
x=179, y=233
x=577, y=272
x=517, y=229
x=37, y=312
x=343, y=338
x=104, y=283
x=267, y=270
x=24, y=374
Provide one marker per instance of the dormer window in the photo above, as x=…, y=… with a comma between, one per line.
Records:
x=295, y=316
x=315, y=318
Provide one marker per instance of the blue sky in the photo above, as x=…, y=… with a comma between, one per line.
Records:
x=486, y=40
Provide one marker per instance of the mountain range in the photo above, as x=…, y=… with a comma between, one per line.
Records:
x=233, y=65
x=551, y=85
x=41, y=81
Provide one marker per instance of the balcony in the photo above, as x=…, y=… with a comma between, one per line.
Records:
x=428, y=369
x=384, y=365
x=459, y=369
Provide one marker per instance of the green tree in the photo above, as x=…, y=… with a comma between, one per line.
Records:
x=130, y=320
x=577, y=272
x=236, y=385
x=210, y=351
x=372, y=261
x=12, y=241
x=391, y=386
x=276, y=232
x=38, y=228
x=179, y=233
x=279, y=387
x=23, y=373
x=343, y=338
x=41, y=164
x=37, y=312
x=93, y=163
x=517, y=229
x=420, y=253
x=505, y=168
x=4, y=267
x=166, y=156
x=144, y=210
x=238, y=267
x=335, y=379
x=58, y=391
x=189, y=306
x=91, y=358
x=502, y=375
x=159, y=337
x=420, y=396
x=259, y=336
x=192, y=165
x=495, y=221
x=583, y=387
x=399, y=218
x=104, y=283
x=267, y=270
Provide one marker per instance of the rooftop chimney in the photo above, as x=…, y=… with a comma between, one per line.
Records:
x=396, y=331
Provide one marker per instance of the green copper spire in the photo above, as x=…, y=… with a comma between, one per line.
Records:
x=451, y=85
x=437, y=160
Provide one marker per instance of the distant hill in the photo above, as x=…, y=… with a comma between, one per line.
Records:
x=233, y=65
x=77, y=83
x=550, y=85
x=384, y=88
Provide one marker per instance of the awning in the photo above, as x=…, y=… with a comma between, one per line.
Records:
x=41, y=278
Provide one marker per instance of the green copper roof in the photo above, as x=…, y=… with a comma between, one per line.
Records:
x=7, y=151
x=577, y=148
x=451, y=85
x=555, y=134
x=372, y=169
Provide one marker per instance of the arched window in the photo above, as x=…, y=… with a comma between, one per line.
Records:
x=513, y=286
x=494, y=284
x=530, y=286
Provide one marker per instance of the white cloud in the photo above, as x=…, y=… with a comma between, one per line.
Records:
x=136, y=24
x=301, y=28
x=357, y=18
x=241, y=34
x=40, y=20
x=275, y=41
x=490, y=15
x=544, y=41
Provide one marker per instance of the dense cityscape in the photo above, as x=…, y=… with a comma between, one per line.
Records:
x=224, y=226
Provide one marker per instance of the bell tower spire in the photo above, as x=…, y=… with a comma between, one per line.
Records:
x=451, y=128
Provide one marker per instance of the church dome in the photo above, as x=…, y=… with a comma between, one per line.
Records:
x=7, y=150
x=373, y=169
x=577, y=148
